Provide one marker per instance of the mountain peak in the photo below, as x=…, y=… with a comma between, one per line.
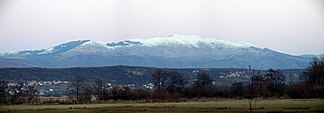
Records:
x=190, y=40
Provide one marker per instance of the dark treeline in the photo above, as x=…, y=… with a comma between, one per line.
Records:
x=173, y=86
x=115, y=74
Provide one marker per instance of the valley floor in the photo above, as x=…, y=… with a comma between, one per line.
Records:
x=227, y=105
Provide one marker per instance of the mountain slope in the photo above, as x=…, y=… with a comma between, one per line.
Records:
x=174, y=51
x=12, y=63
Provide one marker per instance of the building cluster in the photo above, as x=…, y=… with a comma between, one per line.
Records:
x=43, y=87
x=148, y=86
x=41, y=83
x=235, y=74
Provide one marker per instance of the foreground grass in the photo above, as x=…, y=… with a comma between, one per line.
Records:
x=227, y=105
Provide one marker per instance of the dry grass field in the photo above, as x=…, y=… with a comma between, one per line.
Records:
x=226, y=105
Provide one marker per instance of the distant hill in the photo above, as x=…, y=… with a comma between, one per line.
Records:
x=12, y=63
x=127, y=74
x=174, y=51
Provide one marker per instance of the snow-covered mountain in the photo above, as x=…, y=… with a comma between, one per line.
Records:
x=174, y=51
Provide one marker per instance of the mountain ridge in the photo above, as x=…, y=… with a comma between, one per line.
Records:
x=174, y=51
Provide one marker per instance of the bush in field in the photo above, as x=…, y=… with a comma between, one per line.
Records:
x=297, y=90
x=238, y=89
x=140, y=94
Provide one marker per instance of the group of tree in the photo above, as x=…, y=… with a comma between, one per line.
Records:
x=17, y=94
x=173, y=86
x=270, y=84
x=80, y=91
x=168, y=86
x=312, y=81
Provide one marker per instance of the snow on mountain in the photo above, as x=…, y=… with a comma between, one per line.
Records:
x=51, y=50
x=176, y=51
x=123, y=44
x=184, y=40
x=172, y=40
x=94, y=43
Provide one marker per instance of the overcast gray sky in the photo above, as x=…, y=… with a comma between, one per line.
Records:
x=290, y=26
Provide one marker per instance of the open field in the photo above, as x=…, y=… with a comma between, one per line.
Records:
x=227, y=105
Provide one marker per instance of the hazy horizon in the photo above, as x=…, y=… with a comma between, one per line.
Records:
x=290, y=26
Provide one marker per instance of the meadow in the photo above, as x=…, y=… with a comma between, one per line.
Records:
x=221, y=105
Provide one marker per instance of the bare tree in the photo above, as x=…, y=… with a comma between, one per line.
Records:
x=29, y=92
x=256, y=88
x=3, y=92
x=203, y=84
x=275, y=82
x=86, y=93
x=159, y=79
x=314, y=78
x=75, y=87
x=176, y=82
x=99, y=89
x=314, y=74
